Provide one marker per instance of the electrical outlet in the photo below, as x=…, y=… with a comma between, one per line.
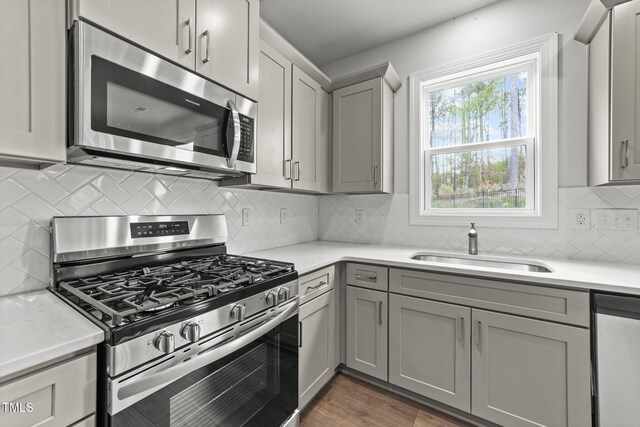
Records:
x=617, y=219
x=283, y=215
x=246, y=217
x=581, y=219
x=359, y=216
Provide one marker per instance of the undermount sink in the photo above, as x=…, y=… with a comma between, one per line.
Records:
x=506, y=265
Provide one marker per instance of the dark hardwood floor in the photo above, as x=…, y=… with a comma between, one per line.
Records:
x=347, y=401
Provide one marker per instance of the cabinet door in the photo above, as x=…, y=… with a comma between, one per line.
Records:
x=228, y=43
x=357, y=137
x=305, y=132
x=59, y=395
x=273, y=156
x=32, y=80
x=317, y=354
x=166, y=27
x=367, y=331
x=529, y=373
x=625, y=92
x=429, y=349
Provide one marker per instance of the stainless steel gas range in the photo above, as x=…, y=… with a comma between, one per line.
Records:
x=194, y=336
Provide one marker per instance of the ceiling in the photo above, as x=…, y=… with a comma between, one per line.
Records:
x=328, y=30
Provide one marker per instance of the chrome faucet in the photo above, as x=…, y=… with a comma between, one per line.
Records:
x=473, y=240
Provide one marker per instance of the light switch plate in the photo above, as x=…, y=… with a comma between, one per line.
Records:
x=616, y=219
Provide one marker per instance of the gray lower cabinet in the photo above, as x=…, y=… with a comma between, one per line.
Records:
x=59, y=395
x=317, y=351
x=430, y=349
x=32, y=81
x=367, y=331
x=528, y=372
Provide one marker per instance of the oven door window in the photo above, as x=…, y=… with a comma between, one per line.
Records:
x=135, y=106
x=255, y=386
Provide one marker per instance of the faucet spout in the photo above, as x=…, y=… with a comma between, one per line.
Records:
x=473, y=240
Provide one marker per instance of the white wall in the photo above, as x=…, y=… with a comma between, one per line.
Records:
x=496, y=26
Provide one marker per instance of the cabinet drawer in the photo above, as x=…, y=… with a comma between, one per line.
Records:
x=55, y=396
x=559, y=305
x=317, y=283
x=368, y=276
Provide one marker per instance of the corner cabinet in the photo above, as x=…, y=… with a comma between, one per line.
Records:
x=32, y=87
x=293, y=128
x=614, y=87
x=216, y=38
x=363, y=130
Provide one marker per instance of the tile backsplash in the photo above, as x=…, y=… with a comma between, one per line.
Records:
x=386, y=221
x=29, y=198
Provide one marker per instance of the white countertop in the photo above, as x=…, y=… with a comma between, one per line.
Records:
x=583, y=275
x=38, y=327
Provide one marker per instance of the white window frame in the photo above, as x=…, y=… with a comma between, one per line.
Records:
x=539, y=58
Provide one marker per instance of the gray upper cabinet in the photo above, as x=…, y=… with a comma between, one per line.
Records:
x=367, y=331
x=306, y=132
x=273, y=152
x=363, y=115
x=228, y=43
x=32, y=81
x=614, y=87
x=217, y=38
x=167, y=27
x=429, y=349
x=529, y=373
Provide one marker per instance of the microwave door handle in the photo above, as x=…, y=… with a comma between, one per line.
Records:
x=235, y=150
x=146, y=384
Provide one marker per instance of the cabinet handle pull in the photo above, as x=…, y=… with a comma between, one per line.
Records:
x=206, y=34
x=299, y=334
x=313, y=288
x=380, y=312
x=287, y=178
x=462, y=330
x=297, y=166
x=187, y=25
x=625, y=153
x=375, y=174
x=366, y=278
x=479, y=336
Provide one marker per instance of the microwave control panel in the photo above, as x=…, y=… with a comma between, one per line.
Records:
x=246, y=153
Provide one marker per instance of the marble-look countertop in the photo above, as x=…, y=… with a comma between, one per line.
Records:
x=38, y=327
x=582, y=275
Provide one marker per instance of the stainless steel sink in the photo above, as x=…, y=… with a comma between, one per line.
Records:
x=482, y=263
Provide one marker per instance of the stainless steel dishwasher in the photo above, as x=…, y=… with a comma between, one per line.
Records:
x=617, y=359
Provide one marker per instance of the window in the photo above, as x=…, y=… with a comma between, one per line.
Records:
x=484, y=139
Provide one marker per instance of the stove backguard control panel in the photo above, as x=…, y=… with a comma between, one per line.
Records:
x=158, y=229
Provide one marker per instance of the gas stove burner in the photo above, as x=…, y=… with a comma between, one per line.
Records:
x=130, y=295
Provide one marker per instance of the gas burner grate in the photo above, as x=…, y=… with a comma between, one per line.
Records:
x=124, y=295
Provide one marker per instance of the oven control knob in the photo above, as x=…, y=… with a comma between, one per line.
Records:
x=283, y=294
x=165, y=342
x=272, y=298
x=191, y=332
x=237, y=313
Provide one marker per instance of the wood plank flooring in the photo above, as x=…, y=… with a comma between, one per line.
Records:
x=347, y=401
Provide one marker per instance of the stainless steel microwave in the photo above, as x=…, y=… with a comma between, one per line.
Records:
x=131, y=109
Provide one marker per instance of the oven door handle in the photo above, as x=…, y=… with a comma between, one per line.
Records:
x=164, y=377
x=235, y=150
